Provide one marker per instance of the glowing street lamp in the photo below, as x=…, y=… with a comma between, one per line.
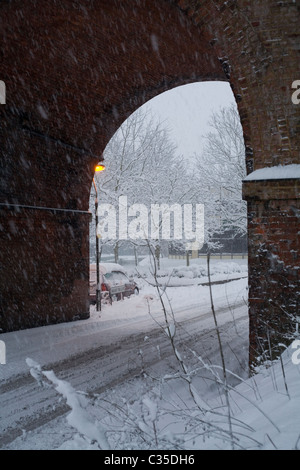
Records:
x=99, y=167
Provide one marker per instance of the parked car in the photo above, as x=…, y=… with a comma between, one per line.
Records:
x=114, y=283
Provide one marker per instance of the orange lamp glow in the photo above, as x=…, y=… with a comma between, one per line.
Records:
x=99, y=167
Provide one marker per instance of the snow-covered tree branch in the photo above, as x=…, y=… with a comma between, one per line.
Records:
x=220, y=171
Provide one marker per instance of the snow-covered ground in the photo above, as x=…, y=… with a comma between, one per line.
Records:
x=57, y=342
x=125, y=379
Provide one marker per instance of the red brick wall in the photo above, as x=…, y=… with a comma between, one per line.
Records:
x=259, y=42
x=274, y=281
x=44, y=274
x=74, y=70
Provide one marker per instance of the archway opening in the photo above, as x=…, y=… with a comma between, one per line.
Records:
x=171, y=215
x=172, y=220
x=185, y=146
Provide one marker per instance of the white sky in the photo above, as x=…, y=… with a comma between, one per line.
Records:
x=187, y=109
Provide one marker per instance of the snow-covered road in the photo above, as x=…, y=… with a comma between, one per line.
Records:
x=122, y=352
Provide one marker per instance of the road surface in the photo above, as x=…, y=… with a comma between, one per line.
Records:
x=127, y=360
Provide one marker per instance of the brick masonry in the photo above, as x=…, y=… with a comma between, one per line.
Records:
x=74, y=70
x=273, y=254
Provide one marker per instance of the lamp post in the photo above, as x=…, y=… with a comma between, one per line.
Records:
x=99, y=167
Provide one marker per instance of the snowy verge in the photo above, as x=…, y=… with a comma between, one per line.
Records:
x=174, y=274
x=79, y=418
x=268, y=403
x=263, y=414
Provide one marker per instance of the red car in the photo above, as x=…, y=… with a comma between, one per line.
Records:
x=114, y=284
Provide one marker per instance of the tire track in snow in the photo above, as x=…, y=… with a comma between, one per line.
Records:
x=102, y=368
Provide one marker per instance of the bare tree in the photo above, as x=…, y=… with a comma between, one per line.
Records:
x=220, y=171
x=141, y=164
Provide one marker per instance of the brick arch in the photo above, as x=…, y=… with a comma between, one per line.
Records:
x=74, y=70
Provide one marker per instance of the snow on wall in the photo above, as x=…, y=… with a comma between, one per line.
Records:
x=275, y=172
